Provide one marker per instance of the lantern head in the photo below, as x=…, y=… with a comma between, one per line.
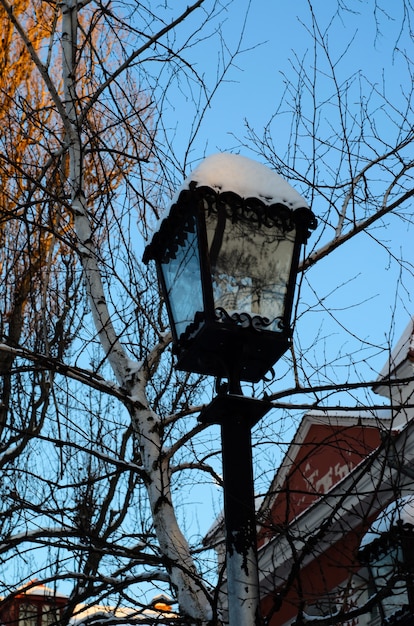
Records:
x=227, y=257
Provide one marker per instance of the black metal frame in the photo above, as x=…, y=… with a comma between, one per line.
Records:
x=215, y=341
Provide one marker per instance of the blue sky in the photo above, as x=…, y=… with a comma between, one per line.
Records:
x=274, y=33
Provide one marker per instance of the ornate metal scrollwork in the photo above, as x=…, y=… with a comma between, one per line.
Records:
x=192, y=329
x=182, y=217
x=251, y=210
x=245, y=320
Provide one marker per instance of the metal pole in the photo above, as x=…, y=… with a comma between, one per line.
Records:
x=240, y=521
x=237, y=414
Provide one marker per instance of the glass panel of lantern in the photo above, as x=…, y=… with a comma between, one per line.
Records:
x=250, y=263
x=180, y=269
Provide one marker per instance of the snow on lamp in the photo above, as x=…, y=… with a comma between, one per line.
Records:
x=227, y=257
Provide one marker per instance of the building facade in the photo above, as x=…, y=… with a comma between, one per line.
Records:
x=337, y=523
x=36, y=604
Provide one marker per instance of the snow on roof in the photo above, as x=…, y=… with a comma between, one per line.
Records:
x=400, y=511
x=404, y=350
x=40, y=590
x=124, y=616
x=249, y=179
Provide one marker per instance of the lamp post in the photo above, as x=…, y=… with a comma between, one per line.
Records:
x=227, y=257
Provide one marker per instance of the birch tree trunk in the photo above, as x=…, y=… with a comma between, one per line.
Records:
x=191, y=593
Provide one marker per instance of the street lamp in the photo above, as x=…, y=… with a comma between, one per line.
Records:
x=227, y=257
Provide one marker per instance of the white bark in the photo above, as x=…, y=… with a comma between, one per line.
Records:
x=193, y=600
x=130, y=376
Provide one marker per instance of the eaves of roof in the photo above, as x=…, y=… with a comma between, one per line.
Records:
x=402, y=354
